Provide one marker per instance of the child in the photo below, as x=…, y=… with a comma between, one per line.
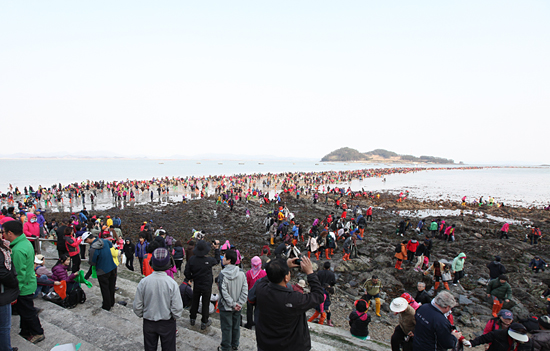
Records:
x=359, y=320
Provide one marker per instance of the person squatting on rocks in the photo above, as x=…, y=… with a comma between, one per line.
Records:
x=359, y=320
x=500, y=291
x=159, y=302
x=281, y=322
x=537, y=264
x=372, y=290
x=199, y=270
x=233, y=288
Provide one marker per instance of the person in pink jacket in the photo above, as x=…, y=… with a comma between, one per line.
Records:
x=252, y=276
x=412, y=302
x=31, y=228
x=504, y=231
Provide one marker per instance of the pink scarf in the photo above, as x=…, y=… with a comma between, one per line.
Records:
x=362, y=315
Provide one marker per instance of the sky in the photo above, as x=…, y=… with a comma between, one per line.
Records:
x=466, y=80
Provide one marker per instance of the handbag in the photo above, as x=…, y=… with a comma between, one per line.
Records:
x=446, y=276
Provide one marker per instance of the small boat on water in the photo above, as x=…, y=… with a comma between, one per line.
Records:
x=260, y=163
x=317, y=164
x=198, y=163
x=241, y=163
x=161, y=163
x=220, y=163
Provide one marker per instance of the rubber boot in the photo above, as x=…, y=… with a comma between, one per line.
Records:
x=326, y=254
x=322, y=319
x=309, y=254
x=302, y=238
x=332, y=252
x=346, y=257
x=378, y=304
x=499, y=307
x=329, y=323
x=272, y=243
x=317, y=255
x=436, y=286
x=315, y=315
x=496, y=309
x=398, y=264
x=446, y=285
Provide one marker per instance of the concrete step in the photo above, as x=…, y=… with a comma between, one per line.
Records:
x=54, y=335
x=329, y=335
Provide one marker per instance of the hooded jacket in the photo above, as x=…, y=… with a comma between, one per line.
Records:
x=233, y=288
x=31, y=229
x=59, y=272
x=412, y=245
x=22, y=255
x=541, y=340
x=101, y=256
x=458, y=262
x=129, y=248
x=199, y=269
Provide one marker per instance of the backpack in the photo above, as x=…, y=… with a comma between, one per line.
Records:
x=398, y=248
x=74, y=297
x=169, y=240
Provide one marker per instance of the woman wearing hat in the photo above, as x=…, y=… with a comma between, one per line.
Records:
x=512, y=339
x=501, y=321
x=404, y=331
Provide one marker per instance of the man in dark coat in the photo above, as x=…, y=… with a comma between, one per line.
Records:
x=514, y=338
x=281, y=312
x=199, y=270
x=433, y=330
x=496, y=269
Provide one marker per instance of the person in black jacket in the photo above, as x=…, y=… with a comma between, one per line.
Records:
x=186, y=293
x=60, y=233
x=359, y=320
x=326, y=276
x=129, y=249
x=199, y=270
x=496, y=269
x=514, y=338
x=422, y=296
x=281, y=322
x=9, y=290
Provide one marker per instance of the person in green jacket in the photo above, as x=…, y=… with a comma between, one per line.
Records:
x=433, y=228
x=458, y=267
x=500, y=291
x=22, y=253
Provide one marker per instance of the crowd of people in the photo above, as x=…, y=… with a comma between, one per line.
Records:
x=265, y=290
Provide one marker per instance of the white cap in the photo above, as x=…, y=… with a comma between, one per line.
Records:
x=85, y=235
x=399, y=304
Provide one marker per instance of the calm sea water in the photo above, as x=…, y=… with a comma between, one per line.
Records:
x=513, y=186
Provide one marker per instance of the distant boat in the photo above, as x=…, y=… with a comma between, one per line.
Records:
x=220, y=163
x=161, y=163
x=198, y=163
x=317, y=164
x=241, y=163
x=260, y=163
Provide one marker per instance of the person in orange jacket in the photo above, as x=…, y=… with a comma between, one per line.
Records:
x=402, y=255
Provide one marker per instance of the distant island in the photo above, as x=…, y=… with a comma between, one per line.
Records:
x=347, y=154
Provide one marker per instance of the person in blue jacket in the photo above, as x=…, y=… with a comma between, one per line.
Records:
x=141, y=250
x=433, y=330
x=105, y=267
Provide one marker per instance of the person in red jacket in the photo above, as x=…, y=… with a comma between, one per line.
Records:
x=369, y=214
x=73, y=247
x=411, y=249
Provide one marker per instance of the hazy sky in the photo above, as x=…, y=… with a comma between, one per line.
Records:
x=467, y=80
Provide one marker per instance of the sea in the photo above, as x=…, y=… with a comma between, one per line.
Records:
x=515, y=186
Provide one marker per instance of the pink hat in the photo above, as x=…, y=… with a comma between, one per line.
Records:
x=226, y=246
x=6, y=219
x=256, y=261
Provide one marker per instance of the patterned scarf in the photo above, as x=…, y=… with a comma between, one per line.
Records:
x=7, y=253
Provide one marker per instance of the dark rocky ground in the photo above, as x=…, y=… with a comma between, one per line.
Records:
x=479, y=240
